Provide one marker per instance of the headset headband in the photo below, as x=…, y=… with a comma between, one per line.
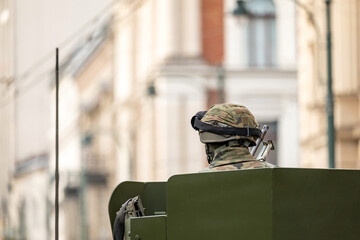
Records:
x=199, y=125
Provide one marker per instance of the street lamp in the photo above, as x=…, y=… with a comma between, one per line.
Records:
x=151, y=89
x=240, y=10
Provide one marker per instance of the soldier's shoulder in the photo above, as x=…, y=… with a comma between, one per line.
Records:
x=258, y=164
x=240, y=165
x=220, y=168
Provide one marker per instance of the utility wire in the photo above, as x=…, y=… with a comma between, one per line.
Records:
x=45, y=58
x=27, y=86
x=73, y=36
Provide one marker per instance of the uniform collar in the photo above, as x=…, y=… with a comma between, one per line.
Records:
x=229, y=155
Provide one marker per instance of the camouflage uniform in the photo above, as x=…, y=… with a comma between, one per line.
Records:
x=234, y=158
x=228, y=152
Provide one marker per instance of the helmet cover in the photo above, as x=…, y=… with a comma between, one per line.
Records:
x=228, y=115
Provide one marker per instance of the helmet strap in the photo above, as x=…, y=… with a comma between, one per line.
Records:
x=209, y=153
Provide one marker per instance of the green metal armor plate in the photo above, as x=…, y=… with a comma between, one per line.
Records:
x=152, y=194
x=254, y=204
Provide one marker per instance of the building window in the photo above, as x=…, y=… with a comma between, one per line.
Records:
x=261, y=33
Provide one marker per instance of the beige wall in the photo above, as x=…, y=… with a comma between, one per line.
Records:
x=159, y=42
x=39, y=27
x=313, y=83
x=6, y=110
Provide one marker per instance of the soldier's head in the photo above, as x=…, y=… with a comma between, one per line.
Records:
x=225, y=124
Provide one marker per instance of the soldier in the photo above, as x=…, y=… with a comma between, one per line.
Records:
x=228, y=130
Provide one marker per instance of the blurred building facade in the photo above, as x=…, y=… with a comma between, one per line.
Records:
x=29, y=33
x=87, y=139
x=130, y=89
x=160, y=82
x=128, y=92
x=261, y=62
x=174, y=58
x=313, y=83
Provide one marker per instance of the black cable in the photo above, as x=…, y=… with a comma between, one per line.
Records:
x=57, y=147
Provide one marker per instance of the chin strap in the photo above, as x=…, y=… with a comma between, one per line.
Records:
x=209, y=153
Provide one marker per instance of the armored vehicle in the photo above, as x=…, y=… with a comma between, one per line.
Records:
x=254, y=204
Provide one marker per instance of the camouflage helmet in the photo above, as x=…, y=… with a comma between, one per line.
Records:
x=225, y=122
